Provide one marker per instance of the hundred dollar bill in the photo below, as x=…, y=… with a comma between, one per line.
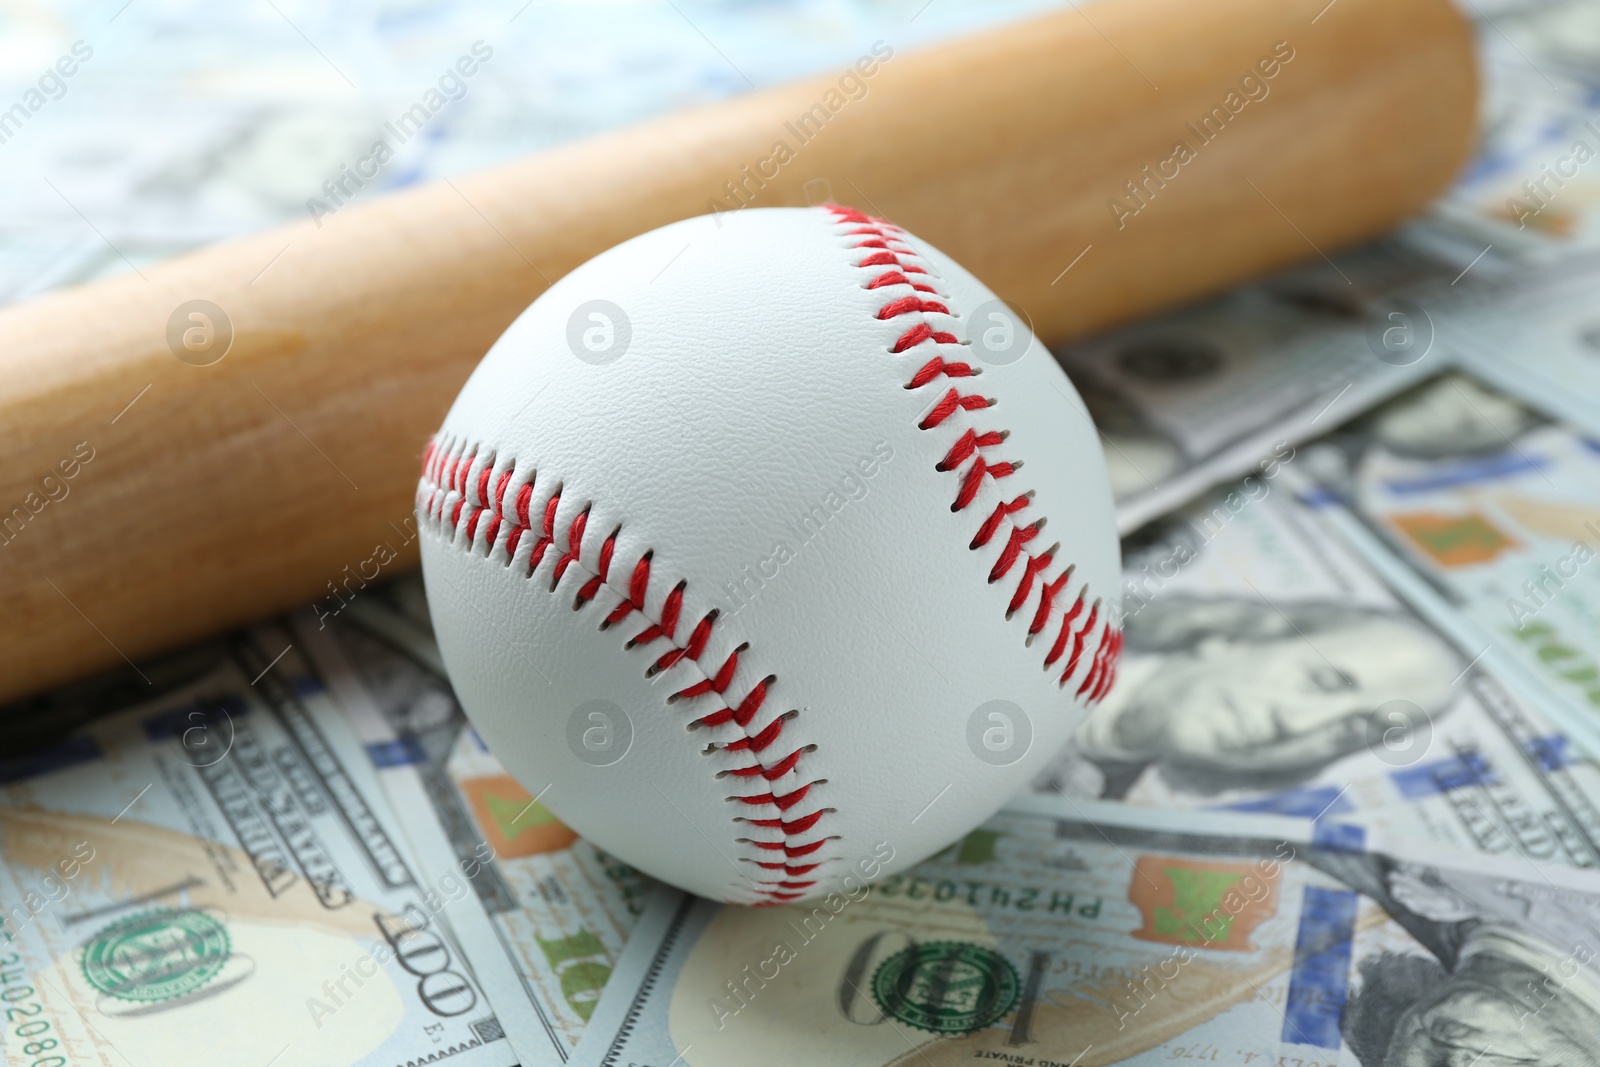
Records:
x=1193, y=398
x=1268, y=668
x=1541, y=344
x=1491, y=513
x=1532, y=195
x=211, y=875
x=242, y=122
x=1087, y=934
x=557, y=907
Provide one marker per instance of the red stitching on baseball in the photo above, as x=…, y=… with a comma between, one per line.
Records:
x=935, y=367
x=790, y=869
x=888, y=248
x=444, y=489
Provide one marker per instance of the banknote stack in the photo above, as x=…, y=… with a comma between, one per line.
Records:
x=1342, y=807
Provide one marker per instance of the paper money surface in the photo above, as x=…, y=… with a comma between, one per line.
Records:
x=1196, y=397
x=555, y=906
x=1490, y=507
x=1091, y=934
x=1268, y=668
x=1541, y=344
x=213, y=876
x=1531, y=194
x=183, y=125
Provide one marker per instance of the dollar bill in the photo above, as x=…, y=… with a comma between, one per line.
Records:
x=557, y=907
x=1526, y=198
x=1541, y=344
x=243, y=119
x=211, y=875
x=1532, y=194
x=1193, y=398
x=1088, y=934
x=1270, y=668
x=1489, y=514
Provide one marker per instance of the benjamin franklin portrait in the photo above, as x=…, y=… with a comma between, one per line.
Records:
x=1232, y=692
x=1504, y=977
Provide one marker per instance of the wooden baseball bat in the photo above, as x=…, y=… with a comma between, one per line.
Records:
x=1090, y=165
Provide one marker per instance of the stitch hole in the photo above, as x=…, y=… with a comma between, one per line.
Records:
x=714, y=747
x=820, y=811
x=1048, y=553
x=712, y=616
x=718, y=746
x=556, y=575
x=753, y=841
x=633, y=642
x=808, y=785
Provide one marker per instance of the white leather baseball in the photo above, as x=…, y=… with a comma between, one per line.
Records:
x=731, y=552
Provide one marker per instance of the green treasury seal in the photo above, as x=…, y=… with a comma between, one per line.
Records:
x=156, y=955
x=946, y=987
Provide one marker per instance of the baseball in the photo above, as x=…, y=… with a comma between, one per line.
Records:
x=771, y=552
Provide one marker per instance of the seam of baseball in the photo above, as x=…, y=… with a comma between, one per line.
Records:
x=451, y=470
x=914, y=286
